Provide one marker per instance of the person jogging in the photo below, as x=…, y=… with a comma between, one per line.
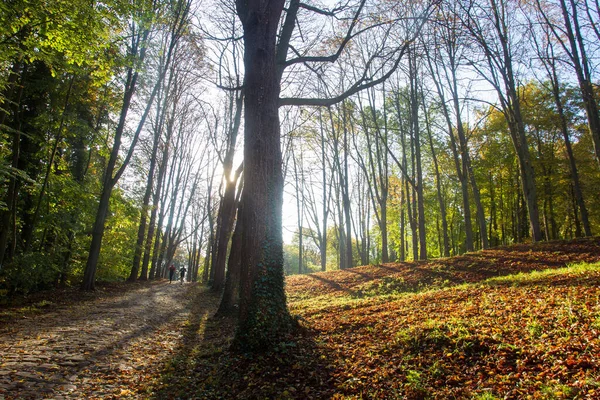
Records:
x=171, y=273
x=182, y=274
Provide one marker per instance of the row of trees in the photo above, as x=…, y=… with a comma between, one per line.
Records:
x=403, y=130
x=413, y=153
x=485, y=136
x=384, y=203
x=105, y=141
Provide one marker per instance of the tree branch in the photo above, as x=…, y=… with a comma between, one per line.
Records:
x=357, y=87
x=336, y=55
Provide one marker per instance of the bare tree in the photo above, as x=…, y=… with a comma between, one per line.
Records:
x=227, y=206
x=376, y=166
x=571, y=37
x=548, y=58
x=444, y=63
x=445, y=248
x=171, y=39
x=491, y=24
x=318, y=217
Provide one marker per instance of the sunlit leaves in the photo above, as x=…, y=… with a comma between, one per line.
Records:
x=76, y=31
x=517, y=322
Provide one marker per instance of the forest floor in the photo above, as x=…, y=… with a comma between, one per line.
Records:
x=513, y=322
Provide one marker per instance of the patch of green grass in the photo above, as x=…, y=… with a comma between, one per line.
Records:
x=555, y=391
x=345, y=302
x=320, y=303
x=535, y=329
x=415, y=383
x=522, y=278
x=452, y=337
x=596, y=323
x=395, y=288
x=436, y=370
x=487, y=395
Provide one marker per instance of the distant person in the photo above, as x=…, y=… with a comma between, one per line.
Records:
x=171, y=273
x=182, y=274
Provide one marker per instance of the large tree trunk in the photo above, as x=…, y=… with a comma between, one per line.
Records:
x=263, y=311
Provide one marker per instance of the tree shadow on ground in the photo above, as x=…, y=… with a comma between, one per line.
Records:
x=333, y=284
x=204, y=367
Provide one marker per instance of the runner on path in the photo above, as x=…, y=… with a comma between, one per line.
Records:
x=171, y=273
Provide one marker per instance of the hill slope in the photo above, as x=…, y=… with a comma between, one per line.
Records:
x=515, y=322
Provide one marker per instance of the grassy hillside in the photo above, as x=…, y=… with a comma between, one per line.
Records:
x=517, y=322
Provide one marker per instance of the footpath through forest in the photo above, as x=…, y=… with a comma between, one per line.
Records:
x=106, y=344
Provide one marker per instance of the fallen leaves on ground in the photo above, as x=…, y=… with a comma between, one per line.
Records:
x=507, y=323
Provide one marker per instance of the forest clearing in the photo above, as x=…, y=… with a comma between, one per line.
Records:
x=513, y=322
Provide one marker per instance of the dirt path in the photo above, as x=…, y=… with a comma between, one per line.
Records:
x=106, y=347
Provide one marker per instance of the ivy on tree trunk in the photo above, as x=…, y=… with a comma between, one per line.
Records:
x=264, y=316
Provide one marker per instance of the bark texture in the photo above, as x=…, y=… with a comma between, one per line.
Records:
x=263, y=312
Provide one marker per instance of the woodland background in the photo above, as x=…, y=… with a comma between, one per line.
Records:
x=121, y=119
